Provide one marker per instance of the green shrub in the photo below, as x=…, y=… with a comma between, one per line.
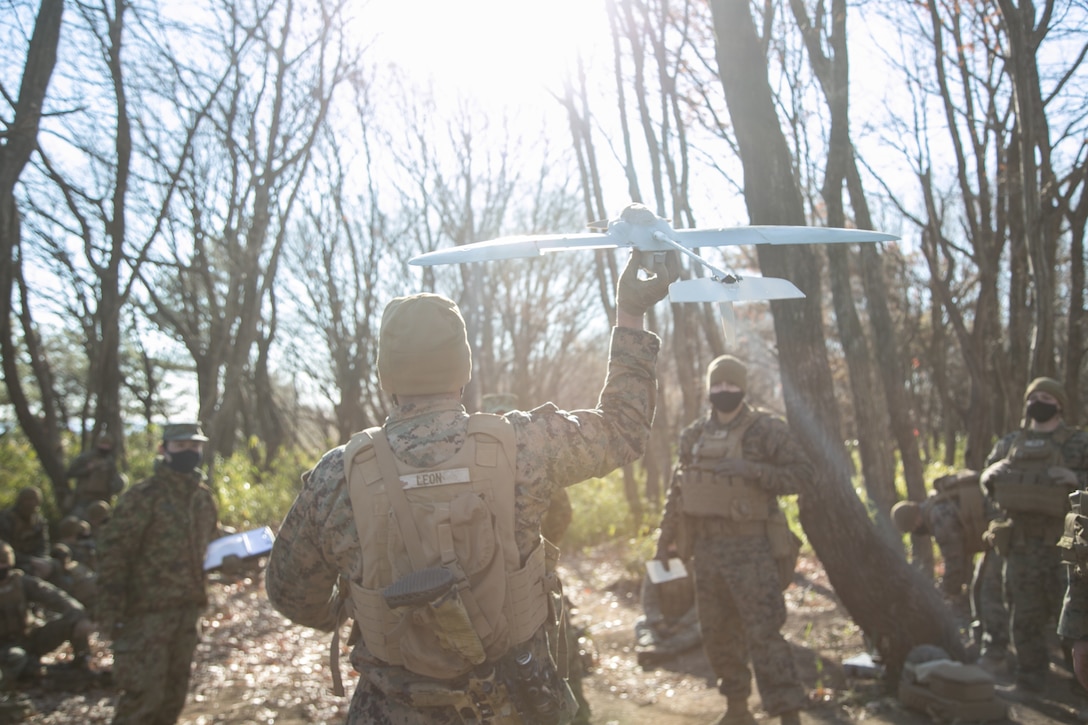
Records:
x=249, y=497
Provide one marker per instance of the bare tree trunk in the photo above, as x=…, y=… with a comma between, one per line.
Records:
x=21, y=140
x=876, y=462
x=1039, y=235
x=906, y=610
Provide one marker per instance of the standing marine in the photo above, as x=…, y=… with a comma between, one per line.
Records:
x=956, y=515
x=733, y=465
x=96, y=478
x=426, y=530
x=151, y=581
x=1029, y=476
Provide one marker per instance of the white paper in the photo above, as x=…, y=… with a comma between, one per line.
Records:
x=244, y=545
x=655, y=569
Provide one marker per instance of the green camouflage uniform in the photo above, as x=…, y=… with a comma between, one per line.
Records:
x=941, y=520
x=20, y=642
x=29, y=537
x=318, y=542
x=151, y=590
x=737, y=583
x=97, y=479
x=1035, y=578
x=988, y=610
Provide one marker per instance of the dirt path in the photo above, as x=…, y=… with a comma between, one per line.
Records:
x=254, y=667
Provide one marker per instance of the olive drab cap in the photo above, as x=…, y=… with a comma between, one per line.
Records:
x=183, y=432
x=727, y=369
x=1050, y=386
x=423, y=346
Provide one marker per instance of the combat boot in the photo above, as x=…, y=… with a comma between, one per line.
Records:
x=737, y=713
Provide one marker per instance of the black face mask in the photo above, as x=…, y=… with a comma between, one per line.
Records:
x=184, y=461
x=726, y=401
x=1041, y=412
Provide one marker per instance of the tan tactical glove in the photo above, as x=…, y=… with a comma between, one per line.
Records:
x=1063, y=476
x=635, y=295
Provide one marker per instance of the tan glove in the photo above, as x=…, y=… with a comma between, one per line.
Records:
x=635, y=295
x=1063, y=476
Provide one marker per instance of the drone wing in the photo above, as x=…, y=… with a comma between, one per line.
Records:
x=735, y=236
x=745, y=289
x=515, y=247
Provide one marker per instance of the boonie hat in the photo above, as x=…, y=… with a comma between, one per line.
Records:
x=183, y=432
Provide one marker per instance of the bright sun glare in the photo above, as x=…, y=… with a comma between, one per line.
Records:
x=492, y=49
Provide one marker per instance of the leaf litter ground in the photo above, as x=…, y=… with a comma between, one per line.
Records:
x=253, y=666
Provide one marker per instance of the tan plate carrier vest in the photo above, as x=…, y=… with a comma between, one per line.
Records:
x=706, y=493
x=458, y=515
x=1027, y=487
x=13, y=607
x=963, y=488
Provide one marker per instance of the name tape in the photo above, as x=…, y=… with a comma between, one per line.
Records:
x=435, y=478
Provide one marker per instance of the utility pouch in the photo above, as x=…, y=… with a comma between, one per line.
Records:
x=479, y=698
x=1074, y=540
x=999, y=534
x=785, y=546
x=539, y=694
x=433, y=595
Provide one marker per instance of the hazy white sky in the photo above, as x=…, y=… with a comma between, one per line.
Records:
x=497, y=50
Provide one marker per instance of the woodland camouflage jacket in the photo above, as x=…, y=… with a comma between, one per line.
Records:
x=151, y=551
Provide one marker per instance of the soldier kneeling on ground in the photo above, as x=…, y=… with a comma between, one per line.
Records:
x=73, y=577
x=21, y=644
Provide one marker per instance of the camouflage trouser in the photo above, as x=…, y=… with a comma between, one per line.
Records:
x=382, y=695
x=1036, y=581
x=741, y=610
x=17, y=654
x=152, y=659
x=988, y=602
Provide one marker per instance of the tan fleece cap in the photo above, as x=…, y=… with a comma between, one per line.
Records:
x=423, y=346
x=727, y=369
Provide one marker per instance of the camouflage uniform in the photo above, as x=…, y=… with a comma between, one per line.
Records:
x=988, y=611
x=318, y=542
x=737, y=582
x=21, y=644
x=26, y=530
x=73, y=577
x=1073, y=622
x=97, y=479
x=1035, y=578
x=941, y=520
x=151, y=590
